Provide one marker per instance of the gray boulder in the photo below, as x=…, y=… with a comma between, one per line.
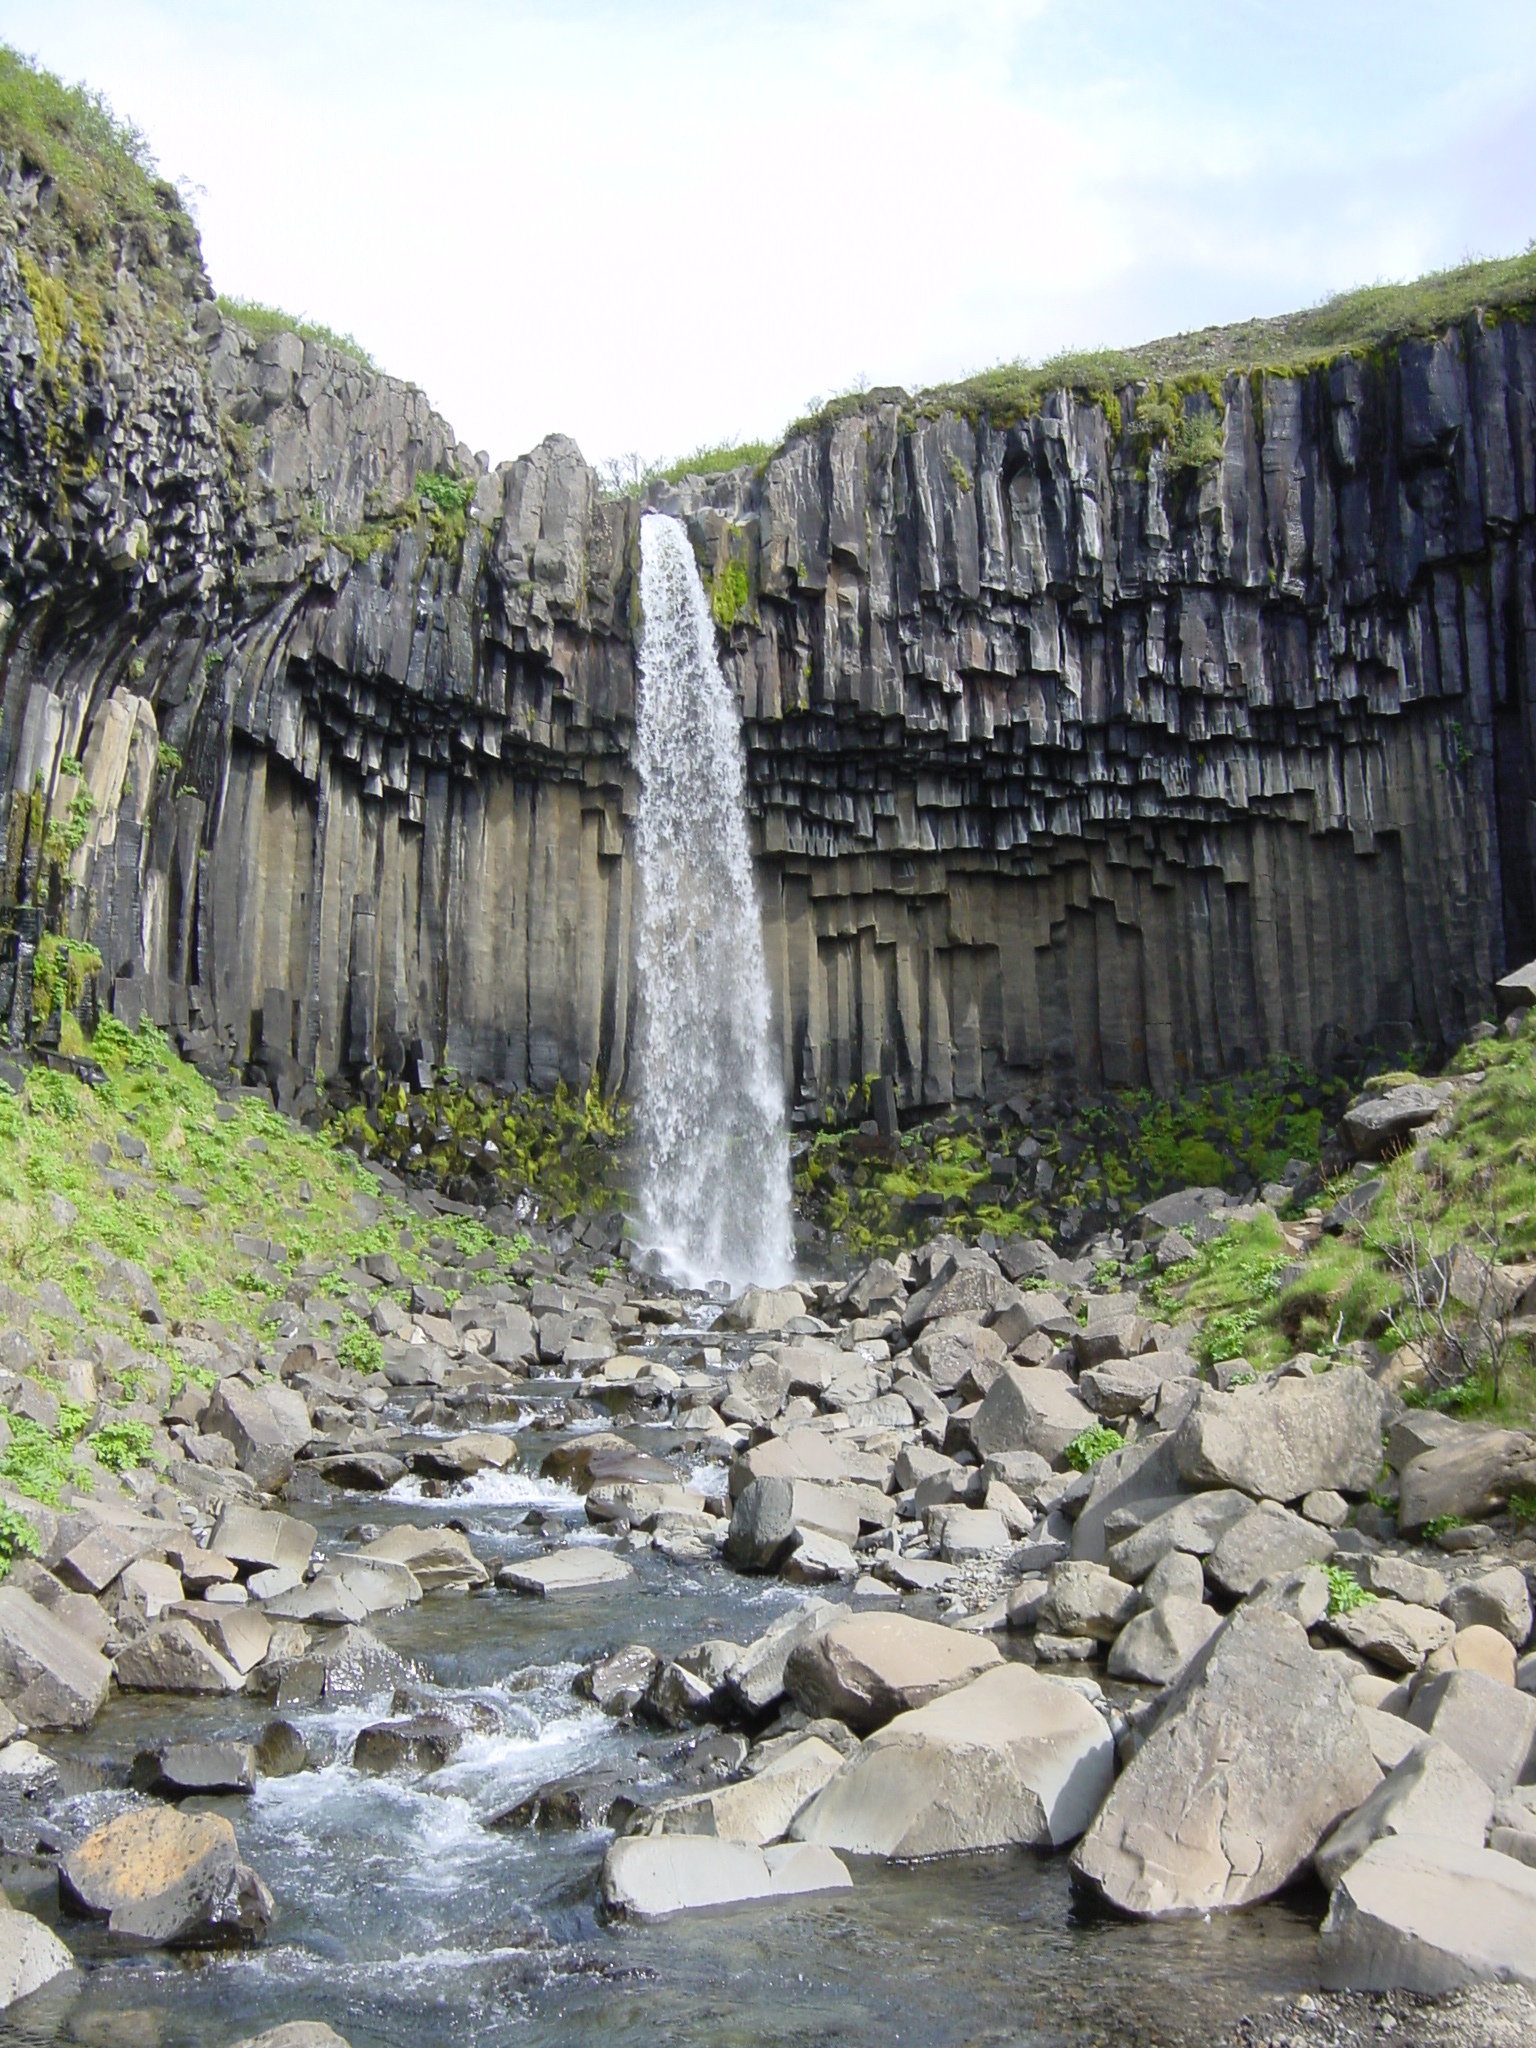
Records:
x=1194, y=1526
x=162, y=1878
x=1012, y=1757
x=1256, y=1756
x=182, y=1768
x=1431, y=1792
x=647, y=1877
x=580, y=1569
x=1284, y=1441
x=1392, y=1633
x=173, y=1656
x=1086, y=1600
x=50, y=1677
x=295, y=2034
x=1029, y=1408
x=1155, y=1647
x=263, y=1541
x=1420, y=1913
x=1491, y=1726
x=1378, y=1124
x=1264, y=1544
x=868, y=1668
x=755, y=1682
x=1470, y=1476
x=1498, y=1599
x=31, y=1955
x=267, y=1426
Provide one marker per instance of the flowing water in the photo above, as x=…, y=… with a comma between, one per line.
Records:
x=714, y=1182
x=406, y=1920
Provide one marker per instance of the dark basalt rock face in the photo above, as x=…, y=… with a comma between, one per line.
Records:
x=1064, y=759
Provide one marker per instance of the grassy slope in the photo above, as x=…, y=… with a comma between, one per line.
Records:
x=1259, y=1300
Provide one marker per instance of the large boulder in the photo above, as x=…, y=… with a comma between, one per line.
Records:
x=1029, y=1408
x=1087, y=1600
x=755, y=1682
x=870, y=1667
x=1010, y=1758
x=437, y=1557
x=1471, y=1475
x=268, y=1426
x=1421, y=1913
x=50, y=1677
x=1378, y=1124
x=1264, y=1545
x=1431, y=1792
x=1155, y=1647
x=1284, y=1441
x=1392, y=1633
x=162, y=1878
x=798, y=1454
x=173, y=1656
x=580, y=1569
x=262, y=1541
x=1498, y=1599
x=1491, y=1726
x=1258, y=1753
x=1194, y=1527
x=758, y=1809
x=31, y=1955
x=646, y=1877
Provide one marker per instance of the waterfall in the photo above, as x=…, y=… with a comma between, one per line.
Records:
x=714, y=1176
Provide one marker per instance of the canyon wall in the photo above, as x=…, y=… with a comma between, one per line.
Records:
x=1081, y=749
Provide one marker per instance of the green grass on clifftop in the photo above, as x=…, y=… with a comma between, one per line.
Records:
x=263, y=322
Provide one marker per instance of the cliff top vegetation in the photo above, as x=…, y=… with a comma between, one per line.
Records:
x=104, y=201
x=265, y=321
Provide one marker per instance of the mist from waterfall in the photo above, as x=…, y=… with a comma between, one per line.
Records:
x=714, y=1153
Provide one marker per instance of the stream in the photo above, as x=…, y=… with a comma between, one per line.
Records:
x=405, y=1921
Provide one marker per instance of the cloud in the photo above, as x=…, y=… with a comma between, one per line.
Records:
x=659, y=225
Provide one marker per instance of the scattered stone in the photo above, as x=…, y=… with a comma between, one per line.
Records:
x=1087, y=1600
x=1479, y=1648
x=756, y=1680
x=174, y=1656
x=1378, y=1124
x=1281, y=1442
x=163, y=1878
x=255, y=1539
x=31, y=1955
x=50, y=1677
x=1155, y=1647
x=1392, y=1633
x=295, y=2034
x=1010, y=1758
x=973, y=1532
x=1431, y=1792
x=870, y=1667
x=762, y=1531
x=1492, y=1726
x=1468, y=1475
x=1499, y=1599
x=579, y=1569
x=182, y=1768
x=819, y=1560
x=1328, y=1509
x=1424, y=1914
x=424, y=1742
x=760, y=1808
x=268, y=1426
x=646, y=1877
x=1178, y=1575
x=618, y=1683
x=362, y=1471
x=1256, y=1756
x=1400, y=1579
x=1263, y=1545
x=1192, y=1526
x=281, y=1751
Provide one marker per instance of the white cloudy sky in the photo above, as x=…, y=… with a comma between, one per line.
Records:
x=662, y=223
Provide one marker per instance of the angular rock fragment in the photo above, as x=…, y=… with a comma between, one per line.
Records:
x=647, y=1877
x=579, y=1569
x=1431, y=1792
x=1155, y=1647
x=50, y=1677
x=870, y=1667
x=163, y=1878
x=31, y=1955
x=1491, y=1726
x=1421, y=1913
x=1284, y=1441
x=1256, y=1756
x=1009, y=1758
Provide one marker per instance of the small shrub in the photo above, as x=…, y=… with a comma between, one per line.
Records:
x=1345, y=1592
x=1440, y=1525
x=38, y=1464
x=120, y=1446
x=1090, y=1445
x=360, y=1350
x=17, y=1538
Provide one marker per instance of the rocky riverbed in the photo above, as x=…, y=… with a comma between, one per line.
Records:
x=486, y=1640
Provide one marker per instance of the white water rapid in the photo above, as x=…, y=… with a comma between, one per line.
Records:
x=714, y=1174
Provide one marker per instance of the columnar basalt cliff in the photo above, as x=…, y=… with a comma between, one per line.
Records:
x=1080, y=746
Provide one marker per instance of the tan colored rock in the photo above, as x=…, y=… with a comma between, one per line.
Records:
x=871, y=1667
x=1012, y=1757
x=1392, y=1633
x=437, y=1557
x=757, y=1809
x=164, y=1878
x=1420, y=1913
x=647, y=1877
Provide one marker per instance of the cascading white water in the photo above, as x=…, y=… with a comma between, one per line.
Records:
x=714, y=1183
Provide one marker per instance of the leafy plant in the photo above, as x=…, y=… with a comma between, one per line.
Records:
x=61, y=972
x=1440, y=1525
x=360, y=1350
x=120, y=1446
x=1092, y=1444
x=17, y=1538
x=263, y=322
x=39, y=1464
x=1345, y=1592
